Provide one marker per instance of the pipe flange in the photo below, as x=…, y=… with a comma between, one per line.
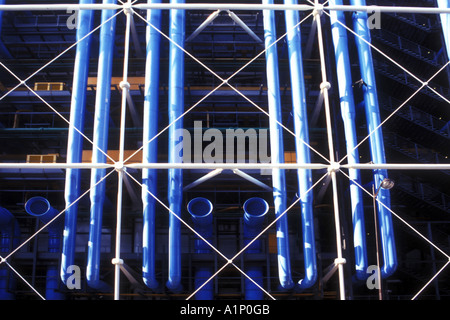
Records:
x=117, y=261
x=325, y=85
x=333, y=167
x=124, y=84
x=339, y=261
x=318, y=9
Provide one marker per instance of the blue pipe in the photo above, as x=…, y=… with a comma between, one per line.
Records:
x=150, y=150
x=100, y=139
x=201, y=213
x=40, y=207
x=175, y=176
x=75, y=140
x=300, y=117
x=347, y=102
x=277, y=149
x=9, y=230
x=445, y=22
x=4, y=52
x=376, y=139
x=255, y=210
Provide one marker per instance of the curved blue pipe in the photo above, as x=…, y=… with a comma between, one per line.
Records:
x=100, y=139
x=201, y=213
x=175, y=176
x=75, y=140
x=277, y=149
x=300, y=116
x=347, y=103
x=150, y=150
x=40, y=207
x=376, y=139
x=9, y=230
x=255, y=210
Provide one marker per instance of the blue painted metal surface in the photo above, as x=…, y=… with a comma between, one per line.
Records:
x=10, y=236
x=255, y=211
x=347, y=103
x=369, y=88
x=201, y=214
x=150, y=150
x=40, y=207
x=75, y=140
x=300, y=117
x=175, y=176
x=277, y=149
x=100, y=139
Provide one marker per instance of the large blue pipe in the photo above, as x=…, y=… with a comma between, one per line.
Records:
x=201, y=213
x=277, y=149
x=40, y=207
x=100, y=139
x=150, y=150
x=75, y=140
x=347, y=103
x=361, y=28
x=255, y=210
x=175, y=176
x=300, y=115
x=10, y=236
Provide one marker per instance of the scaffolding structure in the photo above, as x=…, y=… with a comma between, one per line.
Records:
x=331, y=167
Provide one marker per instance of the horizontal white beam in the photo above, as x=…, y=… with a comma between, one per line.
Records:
x=218, y=6
x=228, y=166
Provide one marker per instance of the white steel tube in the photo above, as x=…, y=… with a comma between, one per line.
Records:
x=120, y=169
x=324, y=88
x=219, y=6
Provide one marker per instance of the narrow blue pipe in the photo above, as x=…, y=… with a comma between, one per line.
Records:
x=201, y=213
x=175, y=176
x=376, y=138
x=100, y=139
x=4, y=52
x=150, y=150
x=255, y=210
x=300, y=116
x=75, y=140
x=445, y=22
x=347, y=103
x=277, y=149
x=40, y=207
x=10, y=236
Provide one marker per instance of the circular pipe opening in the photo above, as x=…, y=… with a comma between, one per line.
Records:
x=37, y=206
x=256, y=207
x=200, y=207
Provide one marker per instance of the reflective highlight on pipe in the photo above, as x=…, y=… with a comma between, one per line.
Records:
x=300, y=115
x=150, y=150
x=376, y=139
x=347, y=103
x=75, y=140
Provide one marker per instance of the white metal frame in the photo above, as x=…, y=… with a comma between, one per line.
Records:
x=333, y=167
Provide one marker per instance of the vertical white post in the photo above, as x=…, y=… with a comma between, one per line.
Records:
x=324, y=86
x=125, y=86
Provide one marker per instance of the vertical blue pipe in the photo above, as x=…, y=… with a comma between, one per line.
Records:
x=347, y=103
x=175, y=176
x=255, y=210
x=445, y=22
x=40, y=207
x=277, y=149
x=75, y=140
x=150, y=150
x=4, y=53
x=9, y=230
x=100, y=139
x=201, y=213
x=303, y=153
x=376, y=139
